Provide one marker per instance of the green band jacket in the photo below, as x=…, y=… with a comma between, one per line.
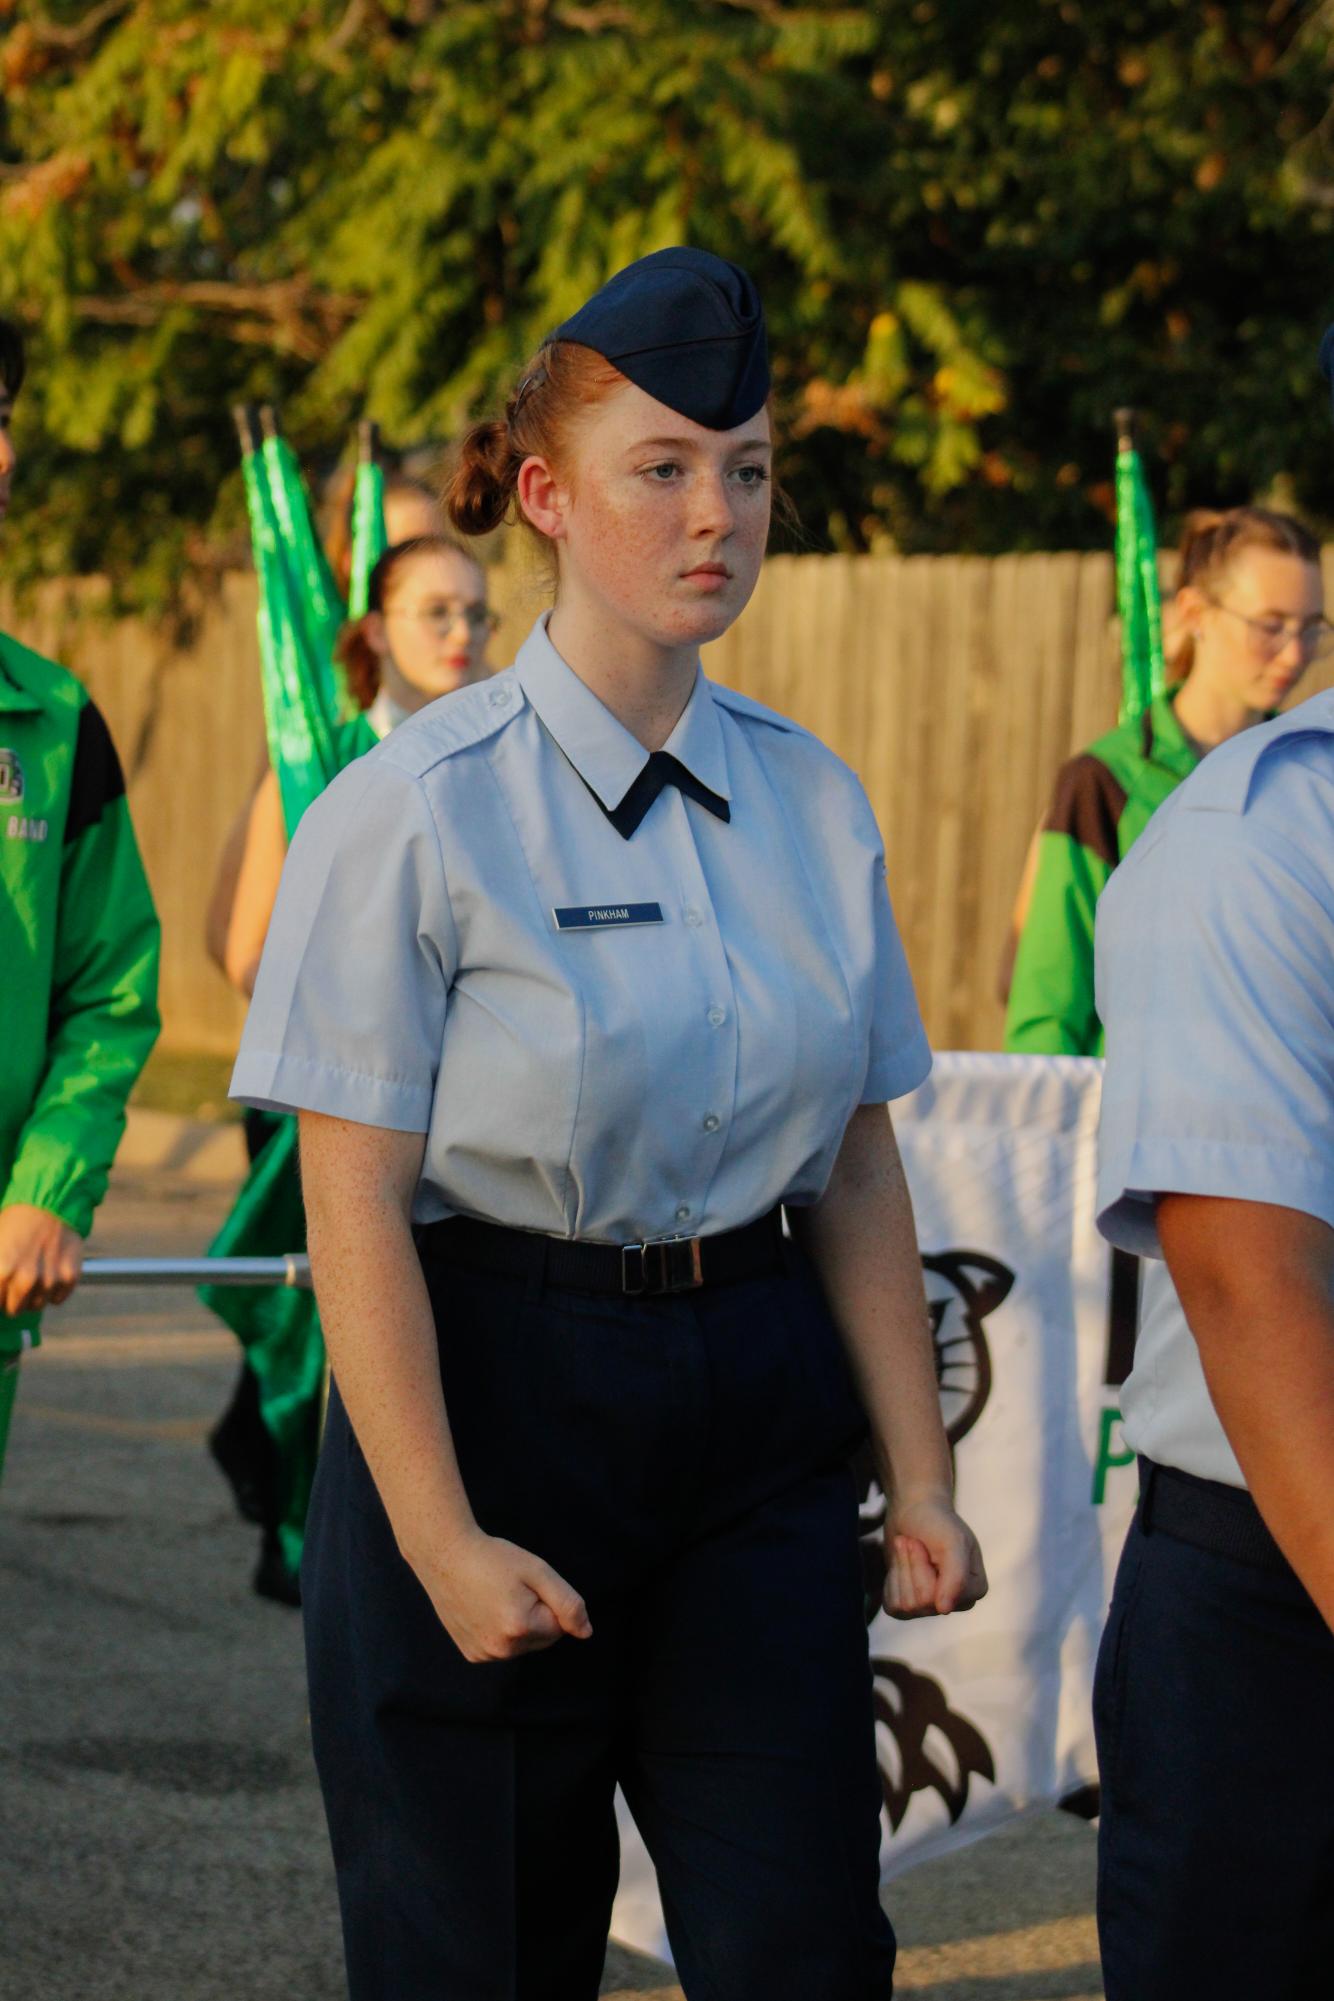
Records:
x=1102, y=803
x=78, y=949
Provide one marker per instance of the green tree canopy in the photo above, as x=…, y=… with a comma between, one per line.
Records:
x=976, y=228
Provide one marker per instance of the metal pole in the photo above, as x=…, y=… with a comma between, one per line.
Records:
x=246, y=419
x=292, y=1269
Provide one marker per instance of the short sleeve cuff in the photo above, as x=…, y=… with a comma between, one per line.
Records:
x=894, y=1075
x=293, y=1084
x=1288, y=1180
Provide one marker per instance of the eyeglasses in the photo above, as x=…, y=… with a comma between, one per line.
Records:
x=1270, y=635
x=443, y=615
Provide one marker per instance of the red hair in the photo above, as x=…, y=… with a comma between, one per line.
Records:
x=562, y=380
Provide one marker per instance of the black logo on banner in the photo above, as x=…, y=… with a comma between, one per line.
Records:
x=938, y=1750
x=962, y=1288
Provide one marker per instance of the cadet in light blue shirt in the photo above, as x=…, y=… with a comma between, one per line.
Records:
x=1214, y=1700
x=603, y=1039
x=578, y=980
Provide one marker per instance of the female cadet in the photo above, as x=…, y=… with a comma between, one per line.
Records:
x=1250, y=611
x=585, y=973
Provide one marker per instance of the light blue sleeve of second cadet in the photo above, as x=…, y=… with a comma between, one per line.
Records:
x=349, y=1007
x=1215, y=974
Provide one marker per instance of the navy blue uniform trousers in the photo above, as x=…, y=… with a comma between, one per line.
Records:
x=683, y=1463
x=1214, y=1710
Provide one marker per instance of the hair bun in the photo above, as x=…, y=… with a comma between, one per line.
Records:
x=481, y=488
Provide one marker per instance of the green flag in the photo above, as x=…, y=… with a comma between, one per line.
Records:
x=369, y=540
x=319, y=611
x=1138, y=601
x=299, y=617
x=279, y=1329
x=295, y=675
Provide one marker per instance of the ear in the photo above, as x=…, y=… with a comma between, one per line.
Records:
x=1189, y=606
x=372, y=625
x=544, y=500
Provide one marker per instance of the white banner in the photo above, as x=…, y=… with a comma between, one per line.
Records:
x=987, y=1715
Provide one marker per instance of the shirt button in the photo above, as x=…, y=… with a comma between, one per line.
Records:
x=692, y=915
x=683, y=1212
x=500, y=698
x=717, y=1016
x=711, y=1122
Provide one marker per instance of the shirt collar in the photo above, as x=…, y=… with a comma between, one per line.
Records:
x=600, y=748
x=1232, y=767
x=384, y=714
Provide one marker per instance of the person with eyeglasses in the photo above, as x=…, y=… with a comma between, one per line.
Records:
x=424, y=634
x=1249, y=615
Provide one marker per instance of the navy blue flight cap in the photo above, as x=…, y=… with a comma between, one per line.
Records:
x=686, y=327
x=1327, y=359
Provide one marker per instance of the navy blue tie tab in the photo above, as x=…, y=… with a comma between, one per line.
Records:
x=662, y=769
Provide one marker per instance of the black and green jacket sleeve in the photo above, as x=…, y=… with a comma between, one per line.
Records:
x=1102, y=803
x=97, y=935
x=1051, y=1010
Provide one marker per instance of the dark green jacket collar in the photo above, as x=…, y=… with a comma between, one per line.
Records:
x=1163, y=740
x=16, y=697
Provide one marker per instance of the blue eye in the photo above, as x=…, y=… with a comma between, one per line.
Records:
x=751, y=475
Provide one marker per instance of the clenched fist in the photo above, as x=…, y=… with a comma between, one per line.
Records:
x=40, y=1259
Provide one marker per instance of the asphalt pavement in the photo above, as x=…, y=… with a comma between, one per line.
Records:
x=161, y=1837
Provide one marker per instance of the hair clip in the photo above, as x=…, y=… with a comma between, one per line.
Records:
x=529, y=382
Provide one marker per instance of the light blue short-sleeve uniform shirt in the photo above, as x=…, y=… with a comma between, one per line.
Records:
x=1215, y=979
x=602, y=1038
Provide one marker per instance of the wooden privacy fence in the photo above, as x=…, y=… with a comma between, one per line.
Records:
x=954, y=686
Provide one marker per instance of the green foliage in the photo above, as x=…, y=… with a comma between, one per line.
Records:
x=977, y=229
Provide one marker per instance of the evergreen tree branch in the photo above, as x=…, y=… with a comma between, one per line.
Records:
x=291, y=314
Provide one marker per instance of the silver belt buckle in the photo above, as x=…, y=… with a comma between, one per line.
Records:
x=661, y=1264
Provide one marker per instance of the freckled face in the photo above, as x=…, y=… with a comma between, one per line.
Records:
x=665, y=522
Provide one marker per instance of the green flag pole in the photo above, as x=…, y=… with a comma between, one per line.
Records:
x=1138, y=599
x=369, y=539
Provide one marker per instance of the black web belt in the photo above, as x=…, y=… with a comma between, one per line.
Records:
x=1208, y=1514
x=646, y=1270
